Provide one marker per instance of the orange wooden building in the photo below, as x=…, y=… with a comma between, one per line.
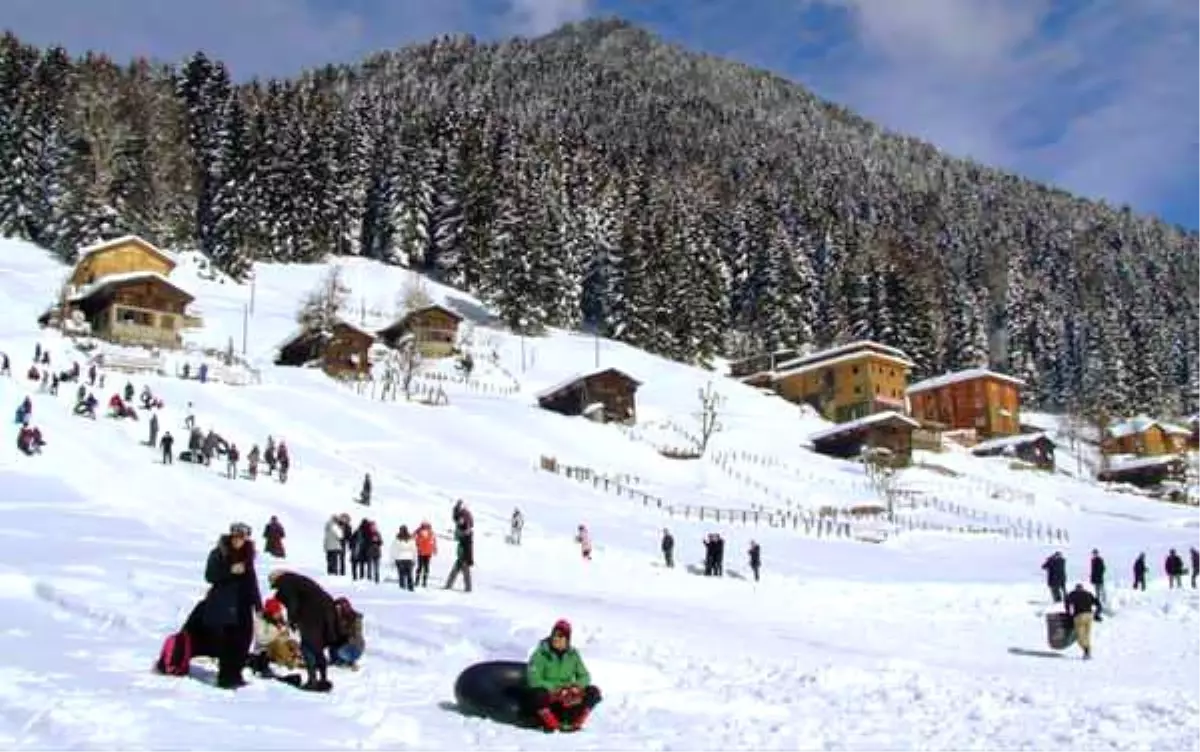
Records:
x=977, y=398
x=846, y=382
x=1144, y=436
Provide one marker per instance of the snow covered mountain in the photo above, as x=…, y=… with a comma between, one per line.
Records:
x=932, y=639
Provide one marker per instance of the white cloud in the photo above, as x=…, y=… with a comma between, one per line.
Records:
x=1098, y=96
x=534, y=17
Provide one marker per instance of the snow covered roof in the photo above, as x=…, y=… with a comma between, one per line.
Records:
x=863, y=422
x=400, y=321
x=804, y=365
x=1005, y=442
x=968, y=374
x=303, y=331
x=88, y=291
x=841, y=354
x=1133, y=463
x=104, y=245
x=1141, y=424
x=567, y=382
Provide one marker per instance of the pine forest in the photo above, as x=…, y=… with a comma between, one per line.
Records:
x=598, y=178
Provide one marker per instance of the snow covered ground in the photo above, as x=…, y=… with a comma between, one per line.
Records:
x=930, y=640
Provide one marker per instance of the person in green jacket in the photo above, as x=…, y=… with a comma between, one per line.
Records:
x=561, y=689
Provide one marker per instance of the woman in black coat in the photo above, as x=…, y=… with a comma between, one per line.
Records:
x=312, y=613
x=231, y=603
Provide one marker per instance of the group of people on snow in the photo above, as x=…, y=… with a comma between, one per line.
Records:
x=301, y=625
x=714, y=554
x=411, y=550
x=1087, y=606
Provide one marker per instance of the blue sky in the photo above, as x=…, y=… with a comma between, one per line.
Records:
x=1096, y=96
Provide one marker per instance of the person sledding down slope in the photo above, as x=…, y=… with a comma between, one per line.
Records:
x=560, y=687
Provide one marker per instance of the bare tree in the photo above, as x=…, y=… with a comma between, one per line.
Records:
x=883, y=473
x=414, y=294
x=322, y=308
x=709, y=415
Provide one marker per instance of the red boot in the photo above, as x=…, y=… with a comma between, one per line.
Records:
x=548, y=719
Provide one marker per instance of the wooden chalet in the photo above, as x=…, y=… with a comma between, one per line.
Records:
x=344, y=351
x=121, y=289
x=1144, y=472
x=607, y=395
x=1145, y=437
x=124, y=255
x=1035, y=448
x=134, y=308
x=434, y=328
x=975, y=398
x=847, y=382
x=887, y=430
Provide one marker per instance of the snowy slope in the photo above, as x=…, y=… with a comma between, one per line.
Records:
x=927, y=641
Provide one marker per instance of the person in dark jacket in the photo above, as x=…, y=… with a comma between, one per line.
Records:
x=167, y=443
x=1096, y=572
x=755, y=558
x=668, y=548
x=274, y=534
x=1056, y=575
x=364, y=496
x=719, y=555
x=1173, y=565
x=1139, y=572
x=710, y=555
x=231, y=602
x=312, y=613
x=1082, y=607
x=350, y=644
x=1195, y=565
x=464, y=557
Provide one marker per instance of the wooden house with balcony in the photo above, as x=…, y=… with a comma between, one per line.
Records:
x=607, y=395
x=977, y=399
x=847, y=382
x=434, y=329
x=342, y=351
x=121, y=288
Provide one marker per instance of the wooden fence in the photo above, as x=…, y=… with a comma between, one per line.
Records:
x=907, y=502
x=847, y=522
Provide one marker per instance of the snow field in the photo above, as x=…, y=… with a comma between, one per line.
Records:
x=928, y=641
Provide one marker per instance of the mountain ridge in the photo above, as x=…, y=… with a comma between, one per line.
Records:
x=582, y=178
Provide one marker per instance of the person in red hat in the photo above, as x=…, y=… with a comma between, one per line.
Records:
x=561, y=689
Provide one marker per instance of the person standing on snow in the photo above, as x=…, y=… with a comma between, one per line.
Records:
x=1082, y=607
x=231, y=461
x=719, y=554
x=364, y=496
x=1139, y=572
x=1096, y=576
x=1195, y=565
x=426, y=541
x=335, y=552
x=516, y=525
x=560, y=686
x=274, y=534
x=1173, y=565
x=167, y=443
x=755, y=554
x=668, y=548
x=1056, y=575
x=584, y=539
x=464, y=556
x=232, y=599
x=153, y=442
x=252, y=462
x=403, y=553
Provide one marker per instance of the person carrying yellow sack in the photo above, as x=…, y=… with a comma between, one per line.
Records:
x=273, y=640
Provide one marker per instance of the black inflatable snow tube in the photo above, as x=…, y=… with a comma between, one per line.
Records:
x=495, y=690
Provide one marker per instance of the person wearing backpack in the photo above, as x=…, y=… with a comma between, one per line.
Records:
x=232, y=600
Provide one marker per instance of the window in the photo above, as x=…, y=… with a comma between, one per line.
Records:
x=857, y=389
x=854, y=370
x=877, y=389
x=131, y=317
